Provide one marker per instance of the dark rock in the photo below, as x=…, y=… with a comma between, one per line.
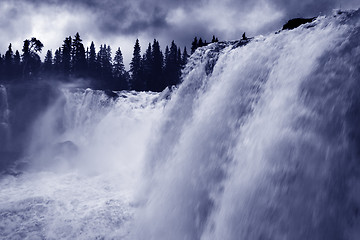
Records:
x=111, y=94
x=296, y=22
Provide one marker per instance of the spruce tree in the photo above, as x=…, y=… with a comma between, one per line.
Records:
x=214, y=39
x=200, y=43
x=9, y=55
x=48, y=63
x=92, y=61
x=135, y=69
x=118, y=67
x=104, y=67
x=167, y=53
x=107, y=67
x=147, y=62
x=172, y=66
x=157, y=77
x=66, y=57
x=194, y=45
x=184, y=58
x=167, y=66
x=26, y=56
x=78, y=57
x=17, y=65
x=57, y=61
x=119, y=72
x=9, y=63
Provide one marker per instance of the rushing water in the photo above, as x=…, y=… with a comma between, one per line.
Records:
x=260, y=141
x=4, y=120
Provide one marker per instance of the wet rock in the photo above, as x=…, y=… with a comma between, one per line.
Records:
x=296, y=22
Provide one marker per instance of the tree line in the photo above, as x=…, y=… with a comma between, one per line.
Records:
x=151, y=71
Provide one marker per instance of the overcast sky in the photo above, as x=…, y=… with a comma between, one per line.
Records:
x=119, y=22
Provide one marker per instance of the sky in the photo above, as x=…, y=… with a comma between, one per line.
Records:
x=119, y=23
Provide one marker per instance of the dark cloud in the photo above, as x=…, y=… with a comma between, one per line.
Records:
x=135, y=16
x=129, y=22
x=116, y=17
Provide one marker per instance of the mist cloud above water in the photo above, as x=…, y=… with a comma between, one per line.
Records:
x=119, y=23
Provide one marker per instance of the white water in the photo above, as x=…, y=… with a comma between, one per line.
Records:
x=4, y=119
x=84, y=163
x=258, y=142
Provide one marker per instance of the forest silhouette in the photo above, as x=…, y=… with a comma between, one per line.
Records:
x=151, y=71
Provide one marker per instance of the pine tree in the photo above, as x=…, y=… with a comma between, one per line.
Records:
x=173, y=66
x=66, y=57
x=57, y=61
x=135, y=69
x=17, y=65
x=244, y=37
x=119, y=72
x=167, y=53
x=184, y=58
x=214, y=39
x=194, y=45
x=147, y=62
x=92, y=61
x=30, y=58
x=48, y=63
x=157, y=77
x=107, y=67
x=78, y=57
x=118, y=67
x=9, y=63
x=26, y=59
x=104, y=67
x=200, y=43
x=9, y=55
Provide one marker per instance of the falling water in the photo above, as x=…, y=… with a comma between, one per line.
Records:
x=4, y=120
x=260, y=141
x=264, y=147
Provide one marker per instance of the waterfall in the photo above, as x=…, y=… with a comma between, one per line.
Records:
x=253, y=149
x=4, y=120
x=260, y=141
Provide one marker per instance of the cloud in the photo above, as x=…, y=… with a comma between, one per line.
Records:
x=22, y=21
x=119, y=23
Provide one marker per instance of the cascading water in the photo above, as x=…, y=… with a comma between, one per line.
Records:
x=258, y=145
x=83, y=164
x=4, y=120
x=260, y=141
